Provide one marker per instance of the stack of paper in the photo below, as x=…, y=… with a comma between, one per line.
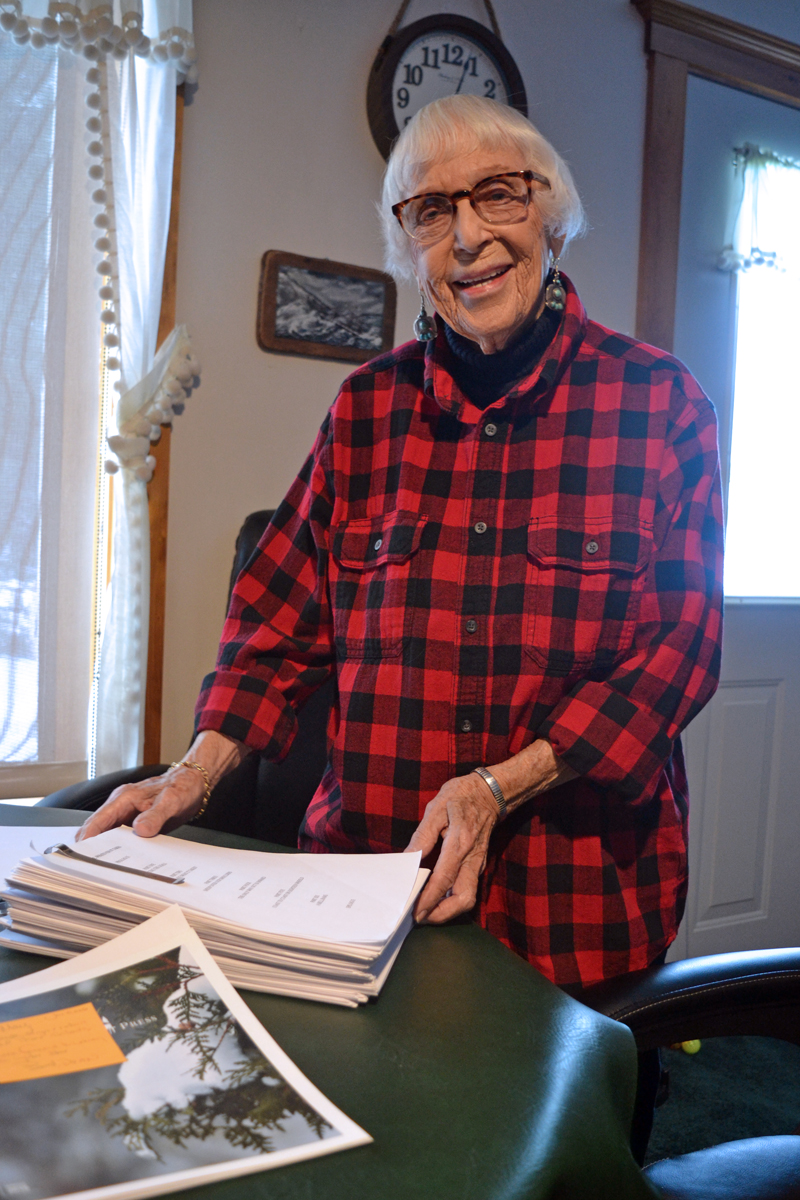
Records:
x=321, y=927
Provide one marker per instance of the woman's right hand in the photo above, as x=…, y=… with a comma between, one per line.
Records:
x=151, y=806
x=163, y=803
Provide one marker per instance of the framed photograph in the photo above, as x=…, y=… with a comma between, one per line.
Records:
x=324, y=309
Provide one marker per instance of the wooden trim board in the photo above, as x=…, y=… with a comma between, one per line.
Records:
x=158, y=488
x=661, y=200
x=705, y=27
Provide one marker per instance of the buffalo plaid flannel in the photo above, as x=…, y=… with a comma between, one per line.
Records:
x=549, y=567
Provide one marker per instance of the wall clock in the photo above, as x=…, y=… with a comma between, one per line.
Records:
x=438, y=56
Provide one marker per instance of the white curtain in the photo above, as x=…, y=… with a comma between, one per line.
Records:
x=141, y=112
x=131, y=55
x=762, y=498
x=49, y=344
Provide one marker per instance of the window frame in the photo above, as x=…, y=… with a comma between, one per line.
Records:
x=158, y=487
x=682, y=41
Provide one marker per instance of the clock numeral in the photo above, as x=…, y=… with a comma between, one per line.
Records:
x=489, y=88
x=402, y=97
x=434, y=58
x=473, y=62
x=413, y=75
x=454, y=55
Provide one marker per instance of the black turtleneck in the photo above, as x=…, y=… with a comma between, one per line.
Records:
x=484, y=378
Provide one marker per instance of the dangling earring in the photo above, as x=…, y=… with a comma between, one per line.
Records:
x=555, y=296
x=424, y=326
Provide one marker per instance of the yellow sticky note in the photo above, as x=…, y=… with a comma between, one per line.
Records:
x=56, y=1043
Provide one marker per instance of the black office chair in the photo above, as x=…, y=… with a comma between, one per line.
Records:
x=748, y=993
x=753, y=992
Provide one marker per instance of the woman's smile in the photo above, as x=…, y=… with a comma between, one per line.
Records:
x=483, y=282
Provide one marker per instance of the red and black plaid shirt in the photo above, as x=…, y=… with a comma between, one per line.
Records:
x=549, y=567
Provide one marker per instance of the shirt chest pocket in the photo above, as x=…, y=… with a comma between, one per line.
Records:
x=372, y=589
x=584, y=584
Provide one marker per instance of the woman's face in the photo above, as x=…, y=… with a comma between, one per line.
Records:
x=486, y=281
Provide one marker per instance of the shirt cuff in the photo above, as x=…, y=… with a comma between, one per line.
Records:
x=608, y=739
x=249, y=710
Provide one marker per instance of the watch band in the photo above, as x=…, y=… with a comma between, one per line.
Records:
x=494, y=787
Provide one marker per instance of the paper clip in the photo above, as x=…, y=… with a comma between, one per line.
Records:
x=60, y=848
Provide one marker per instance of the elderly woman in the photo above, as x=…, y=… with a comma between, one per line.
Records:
x=506, y=544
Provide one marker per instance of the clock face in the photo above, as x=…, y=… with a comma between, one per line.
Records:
x=442, y=55
x=443, y=64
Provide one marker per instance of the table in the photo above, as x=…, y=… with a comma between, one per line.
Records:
x=477, y=1078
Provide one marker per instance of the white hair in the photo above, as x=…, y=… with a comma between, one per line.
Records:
x=459, y=125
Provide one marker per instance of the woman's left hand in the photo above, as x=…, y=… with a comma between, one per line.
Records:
x=463, y=814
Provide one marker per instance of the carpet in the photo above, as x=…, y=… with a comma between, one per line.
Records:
x=736, y=1087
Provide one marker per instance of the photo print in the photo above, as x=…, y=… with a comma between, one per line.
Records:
x=141, y=1079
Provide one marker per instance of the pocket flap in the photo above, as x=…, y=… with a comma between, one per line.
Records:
x=372, y=542
x=620, y=544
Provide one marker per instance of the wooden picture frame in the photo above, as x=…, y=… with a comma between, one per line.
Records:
x=324, y=309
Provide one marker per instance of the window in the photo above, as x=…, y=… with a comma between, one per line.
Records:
x=82, y=91
x=49, y=322
x=763, y=500
x=27, y=148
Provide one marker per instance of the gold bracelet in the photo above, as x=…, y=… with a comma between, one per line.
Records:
x=207, y=793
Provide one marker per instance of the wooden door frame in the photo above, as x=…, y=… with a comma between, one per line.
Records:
x=158, y=487
x=682, y=41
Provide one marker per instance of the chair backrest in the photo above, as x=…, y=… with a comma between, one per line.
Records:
x=246, y=541
x=263, y=799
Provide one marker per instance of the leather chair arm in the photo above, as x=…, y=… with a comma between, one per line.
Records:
x=88, y=795
x=719, y=995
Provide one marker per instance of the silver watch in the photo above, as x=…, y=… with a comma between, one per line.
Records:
x=496, y=790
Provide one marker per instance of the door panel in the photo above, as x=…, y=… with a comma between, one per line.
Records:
x=743, y=756
x=738, y=802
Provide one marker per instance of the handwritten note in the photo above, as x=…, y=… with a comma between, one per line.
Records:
x=56, y=1043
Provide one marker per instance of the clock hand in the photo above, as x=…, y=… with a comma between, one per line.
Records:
x=461, y=80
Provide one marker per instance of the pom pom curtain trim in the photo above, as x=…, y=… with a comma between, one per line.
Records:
x=162, y=393
x=153, y=402
x=99, y=30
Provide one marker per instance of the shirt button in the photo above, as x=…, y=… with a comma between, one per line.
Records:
x=466, y=726
x=481, y=527
x=378, y=544
x=490, y=430
x=471, y=626
x=592, y=547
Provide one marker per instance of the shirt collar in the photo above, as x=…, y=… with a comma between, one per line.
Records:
x=439, y=382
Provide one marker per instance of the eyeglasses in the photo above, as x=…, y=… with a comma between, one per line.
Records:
x=498, y=200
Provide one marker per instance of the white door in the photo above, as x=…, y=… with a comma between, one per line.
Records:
x=743, y=751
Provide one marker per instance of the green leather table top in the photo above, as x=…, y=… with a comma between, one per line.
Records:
x=477, y=1078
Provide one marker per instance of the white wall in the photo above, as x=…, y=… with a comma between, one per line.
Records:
x=276, y=137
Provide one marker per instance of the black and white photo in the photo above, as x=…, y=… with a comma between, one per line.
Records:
x=324, y=309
